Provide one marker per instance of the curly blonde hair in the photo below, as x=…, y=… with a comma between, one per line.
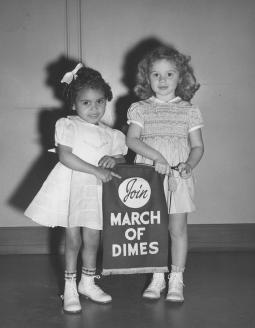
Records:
x=187, y=86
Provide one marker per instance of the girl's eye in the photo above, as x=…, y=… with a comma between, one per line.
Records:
x=155, y=75
x=169, y=74
x=86, y=103
x=101, y=101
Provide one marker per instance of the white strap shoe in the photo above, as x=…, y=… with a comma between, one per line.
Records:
x=89, y=289
x=156, y=287
x=71, y=297
x=175, y=287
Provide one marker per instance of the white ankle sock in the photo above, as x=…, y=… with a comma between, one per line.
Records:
x=88, y=271
x=175, y=268
x=70, y=275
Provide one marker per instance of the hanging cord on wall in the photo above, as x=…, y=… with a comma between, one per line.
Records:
x=80, y=30
x=67, y=31
x=77, y=5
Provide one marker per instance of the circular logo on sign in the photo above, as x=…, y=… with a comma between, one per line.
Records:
x=134, y=192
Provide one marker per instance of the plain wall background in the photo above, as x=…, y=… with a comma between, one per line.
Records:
x=219, y=35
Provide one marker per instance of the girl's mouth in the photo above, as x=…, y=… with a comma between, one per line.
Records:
x=93, y=117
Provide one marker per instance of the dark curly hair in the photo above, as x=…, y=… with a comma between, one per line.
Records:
x=87, y=77
x=187, y=86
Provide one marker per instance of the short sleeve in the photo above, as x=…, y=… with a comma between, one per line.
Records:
x=195, y=120
x=119, y=146
x=64, y=132
x=134, y=115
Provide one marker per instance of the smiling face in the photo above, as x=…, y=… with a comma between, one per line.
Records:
x=164, y=78
x=90, y=105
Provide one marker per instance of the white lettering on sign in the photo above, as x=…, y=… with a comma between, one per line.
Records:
x=132, y=233
x=135, y=249
x=134, y=192
x=135, y=218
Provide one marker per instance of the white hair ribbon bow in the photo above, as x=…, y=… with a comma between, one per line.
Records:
x=69, y=76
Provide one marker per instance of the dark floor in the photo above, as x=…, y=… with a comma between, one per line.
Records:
x=219, y=292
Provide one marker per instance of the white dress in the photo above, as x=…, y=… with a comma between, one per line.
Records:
x=166, y=127
x=71, y=198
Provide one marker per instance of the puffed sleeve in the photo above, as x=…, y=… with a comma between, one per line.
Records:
x=119, y=146
x=64, y=132
x=134, y=115
x=195, y=120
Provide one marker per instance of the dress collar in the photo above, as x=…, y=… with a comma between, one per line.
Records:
x=77, y=118
x=156, y=100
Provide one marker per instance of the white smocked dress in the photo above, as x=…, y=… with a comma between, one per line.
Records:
x=166, y=127
x=71, y=198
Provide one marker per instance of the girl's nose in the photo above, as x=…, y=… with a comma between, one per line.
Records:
x=162, y=78
x=94, y=106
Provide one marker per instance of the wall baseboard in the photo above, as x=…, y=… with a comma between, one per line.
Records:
x=202, y=237
x=222, y=237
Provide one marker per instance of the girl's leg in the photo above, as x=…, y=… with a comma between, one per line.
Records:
x=179, y=239
x=87, y=286
x=179, y=249
x=72, y=246
x=91, y=239
x=156, y=286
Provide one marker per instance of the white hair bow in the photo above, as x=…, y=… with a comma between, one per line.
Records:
x=69, y=76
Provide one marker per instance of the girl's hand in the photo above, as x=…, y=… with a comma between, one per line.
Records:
x=162, y=166
x=185, y=170
x=107, y=162
x=105, y=175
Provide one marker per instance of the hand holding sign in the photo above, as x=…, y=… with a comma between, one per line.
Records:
x=185, y=170
x=162, y=166
x=107, y=162
x=105, y=175
x=115, y=175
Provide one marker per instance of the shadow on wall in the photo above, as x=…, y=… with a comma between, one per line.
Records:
x=47, y=117
x=131, y=60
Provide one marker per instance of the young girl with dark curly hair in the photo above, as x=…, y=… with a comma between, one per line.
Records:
x=71, y=196
x=165, y=131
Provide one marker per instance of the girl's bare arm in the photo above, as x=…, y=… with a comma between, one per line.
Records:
x=67, y=158
x=197, y=148
x=141, y=148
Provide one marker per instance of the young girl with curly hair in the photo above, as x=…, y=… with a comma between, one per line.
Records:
x=165, y=131
x=71, y=196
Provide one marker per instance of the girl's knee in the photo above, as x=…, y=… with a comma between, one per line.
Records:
x=90, y=243
x=177, y=233
x=73, y=244
x=178, y=230
x=73, y=240
x=91, y=237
